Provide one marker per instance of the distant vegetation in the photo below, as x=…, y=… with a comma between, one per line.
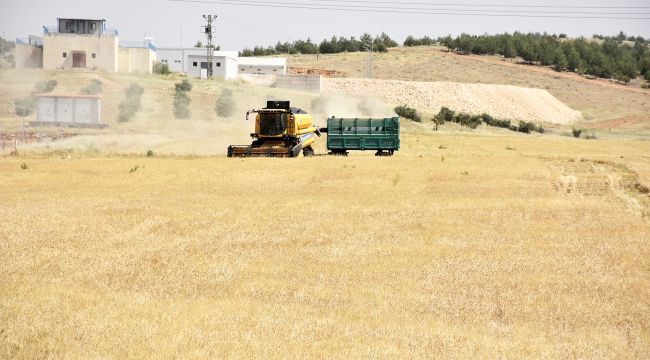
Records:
x=473, y=121
x=6, y=48
x=131, y=103
x=94, y=88
x=413, y=41
x=27, y=105
x=225, y=106
x=182, y=99
x=408, y=113
x=334, y=45
x=160, y=68
x=608, y=57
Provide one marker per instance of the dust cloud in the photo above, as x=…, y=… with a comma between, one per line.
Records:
x=204, y=133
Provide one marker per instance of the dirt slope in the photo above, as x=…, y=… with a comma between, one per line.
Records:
x=504, y=101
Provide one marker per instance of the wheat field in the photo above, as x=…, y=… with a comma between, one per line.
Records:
x=463, y=245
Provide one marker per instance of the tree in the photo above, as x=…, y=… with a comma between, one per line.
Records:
x=198, y=44
x=182, y=99
x=225, y=106
x=559, y=60
x=161, y=68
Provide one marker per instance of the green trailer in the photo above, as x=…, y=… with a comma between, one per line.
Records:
x=345, y=134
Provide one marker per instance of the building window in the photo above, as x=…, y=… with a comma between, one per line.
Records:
x=242, y=69
x=165, y=61
x=218, y=64
x=259, y=70
x=65, y=55
x=94, y=56
x=275, y=69
x=194, y=64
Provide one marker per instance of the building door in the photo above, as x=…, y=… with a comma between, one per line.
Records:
x=79, y=59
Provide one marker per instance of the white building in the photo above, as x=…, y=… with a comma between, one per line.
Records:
x=68, y=110
x=86, y=44
x=227, y=64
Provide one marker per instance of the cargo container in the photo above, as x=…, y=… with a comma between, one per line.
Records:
x=345, y=134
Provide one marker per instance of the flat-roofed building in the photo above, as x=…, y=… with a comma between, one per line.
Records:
x=84, y=44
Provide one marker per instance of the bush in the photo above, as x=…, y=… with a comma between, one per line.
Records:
x=131, y=103
x=94, y=88
x=408, y=113
x=576, y=132
x=25, y=106
x=225, y=104
x=161, y=68
x=44, y=86
x=183, y=86
x=182, y=99
x=526, y=127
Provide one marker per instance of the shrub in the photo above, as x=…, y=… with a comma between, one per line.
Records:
x=44, y=86
x=181, y=105
x=576, y=132
x=409, y=113
x=182, y=99
x=225, y=104
x=183, y=86
x=131, y=103
x=161, y=68
x=94, y=88
x=526, y=127
x=25, y=106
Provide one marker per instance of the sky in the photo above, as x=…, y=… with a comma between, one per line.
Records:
x=174, y=24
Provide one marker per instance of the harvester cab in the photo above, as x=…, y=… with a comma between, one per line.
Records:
x=280, y=131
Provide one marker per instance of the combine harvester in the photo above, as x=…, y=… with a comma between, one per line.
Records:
x=285, y=131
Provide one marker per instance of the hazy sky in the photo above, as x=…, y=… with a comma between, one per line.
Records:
x=242, y=26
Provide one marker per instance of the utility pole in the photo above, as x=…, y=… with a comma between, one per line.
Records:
x=210, y=46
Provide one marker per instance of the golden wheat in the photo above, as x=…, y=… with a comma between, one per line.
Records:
x=460, y=246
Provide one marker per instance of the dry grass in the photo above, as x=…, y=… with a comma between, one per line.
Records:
x=597, y=100
x=495, y=252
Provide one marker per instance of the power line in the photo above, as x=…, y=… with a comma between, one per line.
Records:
x=455, y=12
x=484, y=5
x=438, y=9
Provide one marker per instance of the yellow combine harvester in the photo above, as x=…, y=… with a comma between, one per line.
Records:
x=280, y=131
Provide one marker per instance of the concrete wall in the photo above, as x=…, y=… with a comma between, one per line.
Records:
x=105, y=50
x=261, y=69
x=28, y=56
x=312, y=83
x=136, y=60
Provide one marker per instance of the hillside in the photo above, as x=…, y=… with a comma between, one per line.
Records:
x=600, y=101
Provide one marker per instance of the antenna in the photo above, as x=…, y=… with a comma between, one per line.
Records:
x=208, y=33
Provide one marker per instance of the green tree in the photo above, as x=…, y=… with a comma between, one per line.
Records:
x=225, y=106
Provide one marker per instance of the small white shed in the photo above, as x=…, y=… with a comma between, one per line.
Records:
x=68, y=110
